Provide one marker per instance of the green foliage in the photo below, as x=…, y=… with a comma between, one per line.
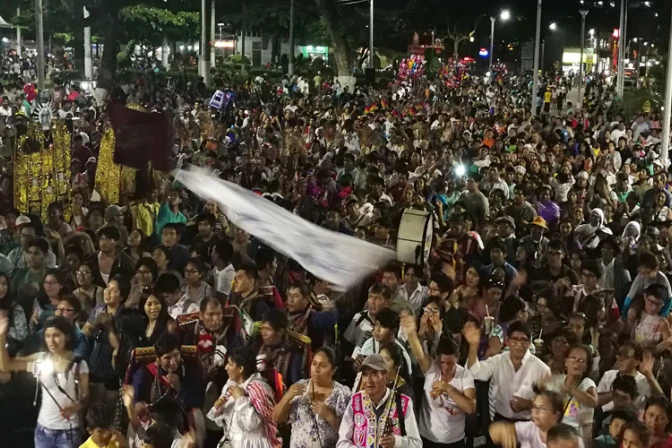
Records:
x=633, y=100
x=150, y=25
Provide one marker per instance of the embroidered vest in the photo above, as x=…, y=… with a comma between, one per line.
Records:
x=368, y=428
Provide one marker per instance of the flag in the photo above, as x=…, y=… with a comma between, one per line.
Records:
x=332, y=256
x=141, y=137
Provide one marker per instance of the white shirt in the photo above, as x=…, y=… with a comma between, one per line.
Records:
x=576, y=414
x=528, y=436
x=50, y=415
x=441, y=419
x=223, y=279
x=178, y=308
x=410, y=440
x=416, y=298
x=506, y=382
x=607, y=382
x=359, y=330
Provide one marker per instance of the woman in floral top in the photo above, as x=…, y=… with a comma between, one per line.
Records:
x=315, y=407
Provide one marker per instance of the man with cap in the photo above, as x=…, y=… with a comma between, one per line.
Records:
x=535, y=243
x=114, y=216
x=506, y=231
x=372, y=418
x=521, y=211
x=353, y=219
x=27, y=231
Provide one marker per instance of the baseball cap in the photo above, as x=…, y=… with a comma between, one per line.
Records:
x=113, y=211
x=22, y=219
x=374, y=362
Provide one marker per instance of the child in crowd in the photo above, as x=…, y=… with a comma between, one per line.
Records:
x=619, y=419
x=635, y=435
x=99, y=420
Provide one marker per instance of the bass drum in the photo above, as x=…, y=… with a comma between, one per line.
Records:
x=414, y=240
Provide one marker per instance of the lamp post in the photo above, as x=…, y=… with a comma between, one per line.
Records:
x=584, y=13
x=40, y=44
x=290, y=68
x=371, y=34
x=535, y=74
x=668, y=106
x=503, y=16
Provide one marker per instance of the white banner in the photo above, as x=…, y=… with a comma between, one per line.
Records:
x=338, y=258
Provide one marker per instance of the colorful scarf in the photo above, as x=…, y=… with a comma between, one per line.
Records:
x=368, y=429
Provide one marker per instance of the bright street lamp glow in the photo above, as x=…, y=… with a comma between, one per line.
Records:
x=634, y=40
x=552, y=26
x=647, y=3
x=591, y=31
x=505, y=15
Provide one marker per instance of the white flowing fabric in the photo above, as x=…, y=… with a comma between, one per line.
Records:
x=340, y=259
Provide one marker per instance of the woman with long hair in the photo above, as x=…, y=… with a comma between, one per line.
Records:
x=88, y=293
x=18, y=327
x=314, y=407
x=578, y=391
x=146, y=273
x=430, y=324
x=547, y=410
x=100, y=328
x=195, y=287
x=53, y=289
x=64, y=380
x=394, y=357
x=469, y=290
x=137, y=245
x=245, y=407
x=155, y=312
x=657, y=418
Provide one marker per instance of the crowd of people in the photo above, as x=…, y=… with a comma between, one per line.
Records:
x=541, y=317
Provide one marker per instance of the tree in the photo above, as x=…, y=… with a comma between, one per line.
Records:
x=342, y=54
x=460, y=32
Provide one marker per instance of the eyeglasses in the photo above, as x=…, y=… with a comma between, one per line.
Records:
x=541, y=409
x=431, y=310
x=83, y=273
x=518, y=341
x=576, y=360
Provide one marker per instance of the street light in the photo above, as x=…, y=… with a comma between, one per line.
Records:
x=553, y=26
x=503, y=16
x=535, y=64
x=591, y=31
x=584, y=13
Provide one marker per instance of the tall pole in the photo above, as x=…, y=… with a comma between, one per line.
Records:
x=18, y=33
x=584, y=13
x=535, y=74
x=291, y=37
x=88, y=63
x=371, y=35
x=212, y=33
x=620, y=67
x=40, y=44
x=242, y=43
x=492, y=39
x=668, y=105
x=202, y=64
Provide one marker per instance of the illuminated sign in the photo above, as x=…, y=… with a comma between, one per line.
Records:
x=483, y=52
x=616, y=33
x=225, y=44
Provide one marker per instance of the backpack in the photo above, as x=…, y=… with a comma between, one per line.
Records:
x=100, y=359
